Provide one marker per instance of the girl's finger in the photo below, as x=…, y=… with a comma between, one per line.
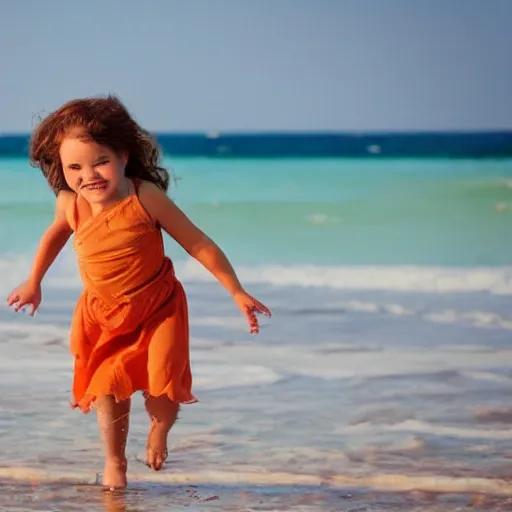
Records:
x=12, y=299
x=18, y=305
x=263, y=309
x=252, y=320
x=21, y=304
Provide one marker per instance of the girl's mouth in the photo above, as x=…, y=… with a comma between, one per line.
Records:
x=97, y=185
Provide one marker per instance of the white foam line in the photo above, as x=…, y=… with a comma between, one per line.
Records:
x=447, y=316
x=384, y=482
x=496, y=280
x=421, y=427
x=433, y=483
x=33, y=328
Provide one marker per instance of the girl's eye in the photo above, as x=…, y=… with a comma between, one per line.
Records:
x=103, y=162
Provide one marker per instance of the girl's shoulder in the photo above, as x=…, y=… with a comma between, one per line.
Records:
x=147, y=191
x=143, y=185
x=66, y=206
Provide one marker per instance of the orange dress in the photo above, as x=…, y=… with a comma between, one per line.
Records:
x=130, y=327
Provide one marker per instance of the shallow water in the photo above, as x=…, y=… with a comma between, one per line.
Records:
x=362, y=393
x=241, y=498
x=382, y=382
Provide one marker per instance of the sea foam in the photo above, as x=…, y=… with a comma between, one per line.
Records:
x=430, y=279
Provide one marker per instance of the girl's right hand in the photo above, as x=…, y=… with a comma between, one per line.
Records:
x=27, y=293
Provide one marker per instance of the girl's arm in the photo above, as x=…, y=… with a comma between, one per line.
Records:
x=199, y=246
x=188, y=235
x=53, y=239
x=50, y=245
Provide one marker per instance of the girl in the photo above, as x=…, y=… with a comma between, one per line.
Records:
x=129, y=330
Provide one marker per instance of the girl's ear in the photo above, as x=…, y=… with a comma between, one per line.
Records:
x=124, y=156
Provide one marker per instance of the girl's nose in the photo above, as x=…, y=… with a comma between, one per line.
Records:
x=89, y=173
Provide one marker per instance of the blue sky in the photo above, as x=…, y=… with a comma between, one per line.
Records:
x=229, y=65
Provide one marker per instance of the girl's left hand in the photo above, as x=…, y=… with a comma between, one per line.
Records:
x=249, y=306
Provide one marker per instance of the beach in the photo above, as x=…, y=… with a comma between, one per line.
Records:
x=382, y=381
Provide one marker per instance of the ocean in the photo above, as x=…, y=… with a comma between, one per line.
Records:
x=382, y=381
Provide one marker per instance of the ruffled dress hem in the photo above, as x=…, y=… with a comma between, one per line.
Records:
x=87, y=402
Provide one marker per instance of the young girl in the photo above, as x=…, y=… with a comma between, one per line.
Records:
x=130, y=328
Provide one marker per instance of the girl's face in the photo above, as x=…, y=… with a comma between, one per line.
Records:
x=94, y=171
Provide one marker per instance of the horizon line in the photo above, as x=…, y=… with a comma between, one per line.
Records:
x=213, y=134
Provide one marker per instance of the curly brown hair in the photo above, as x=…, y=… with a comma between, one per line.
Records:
x=106, y=121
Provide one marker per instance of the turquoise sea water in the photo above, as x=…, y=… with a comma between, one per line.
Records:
x=382, y=382
x=318, y=211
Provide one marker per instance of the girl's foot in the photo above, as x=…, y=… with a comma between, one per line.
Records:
x=156, y=447
x=162, y=413
x=114, y=474
x=113, y=422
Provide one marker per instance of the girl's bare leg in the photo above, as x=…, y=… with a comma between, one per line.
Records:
x=162, y=415
x=113, y=422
